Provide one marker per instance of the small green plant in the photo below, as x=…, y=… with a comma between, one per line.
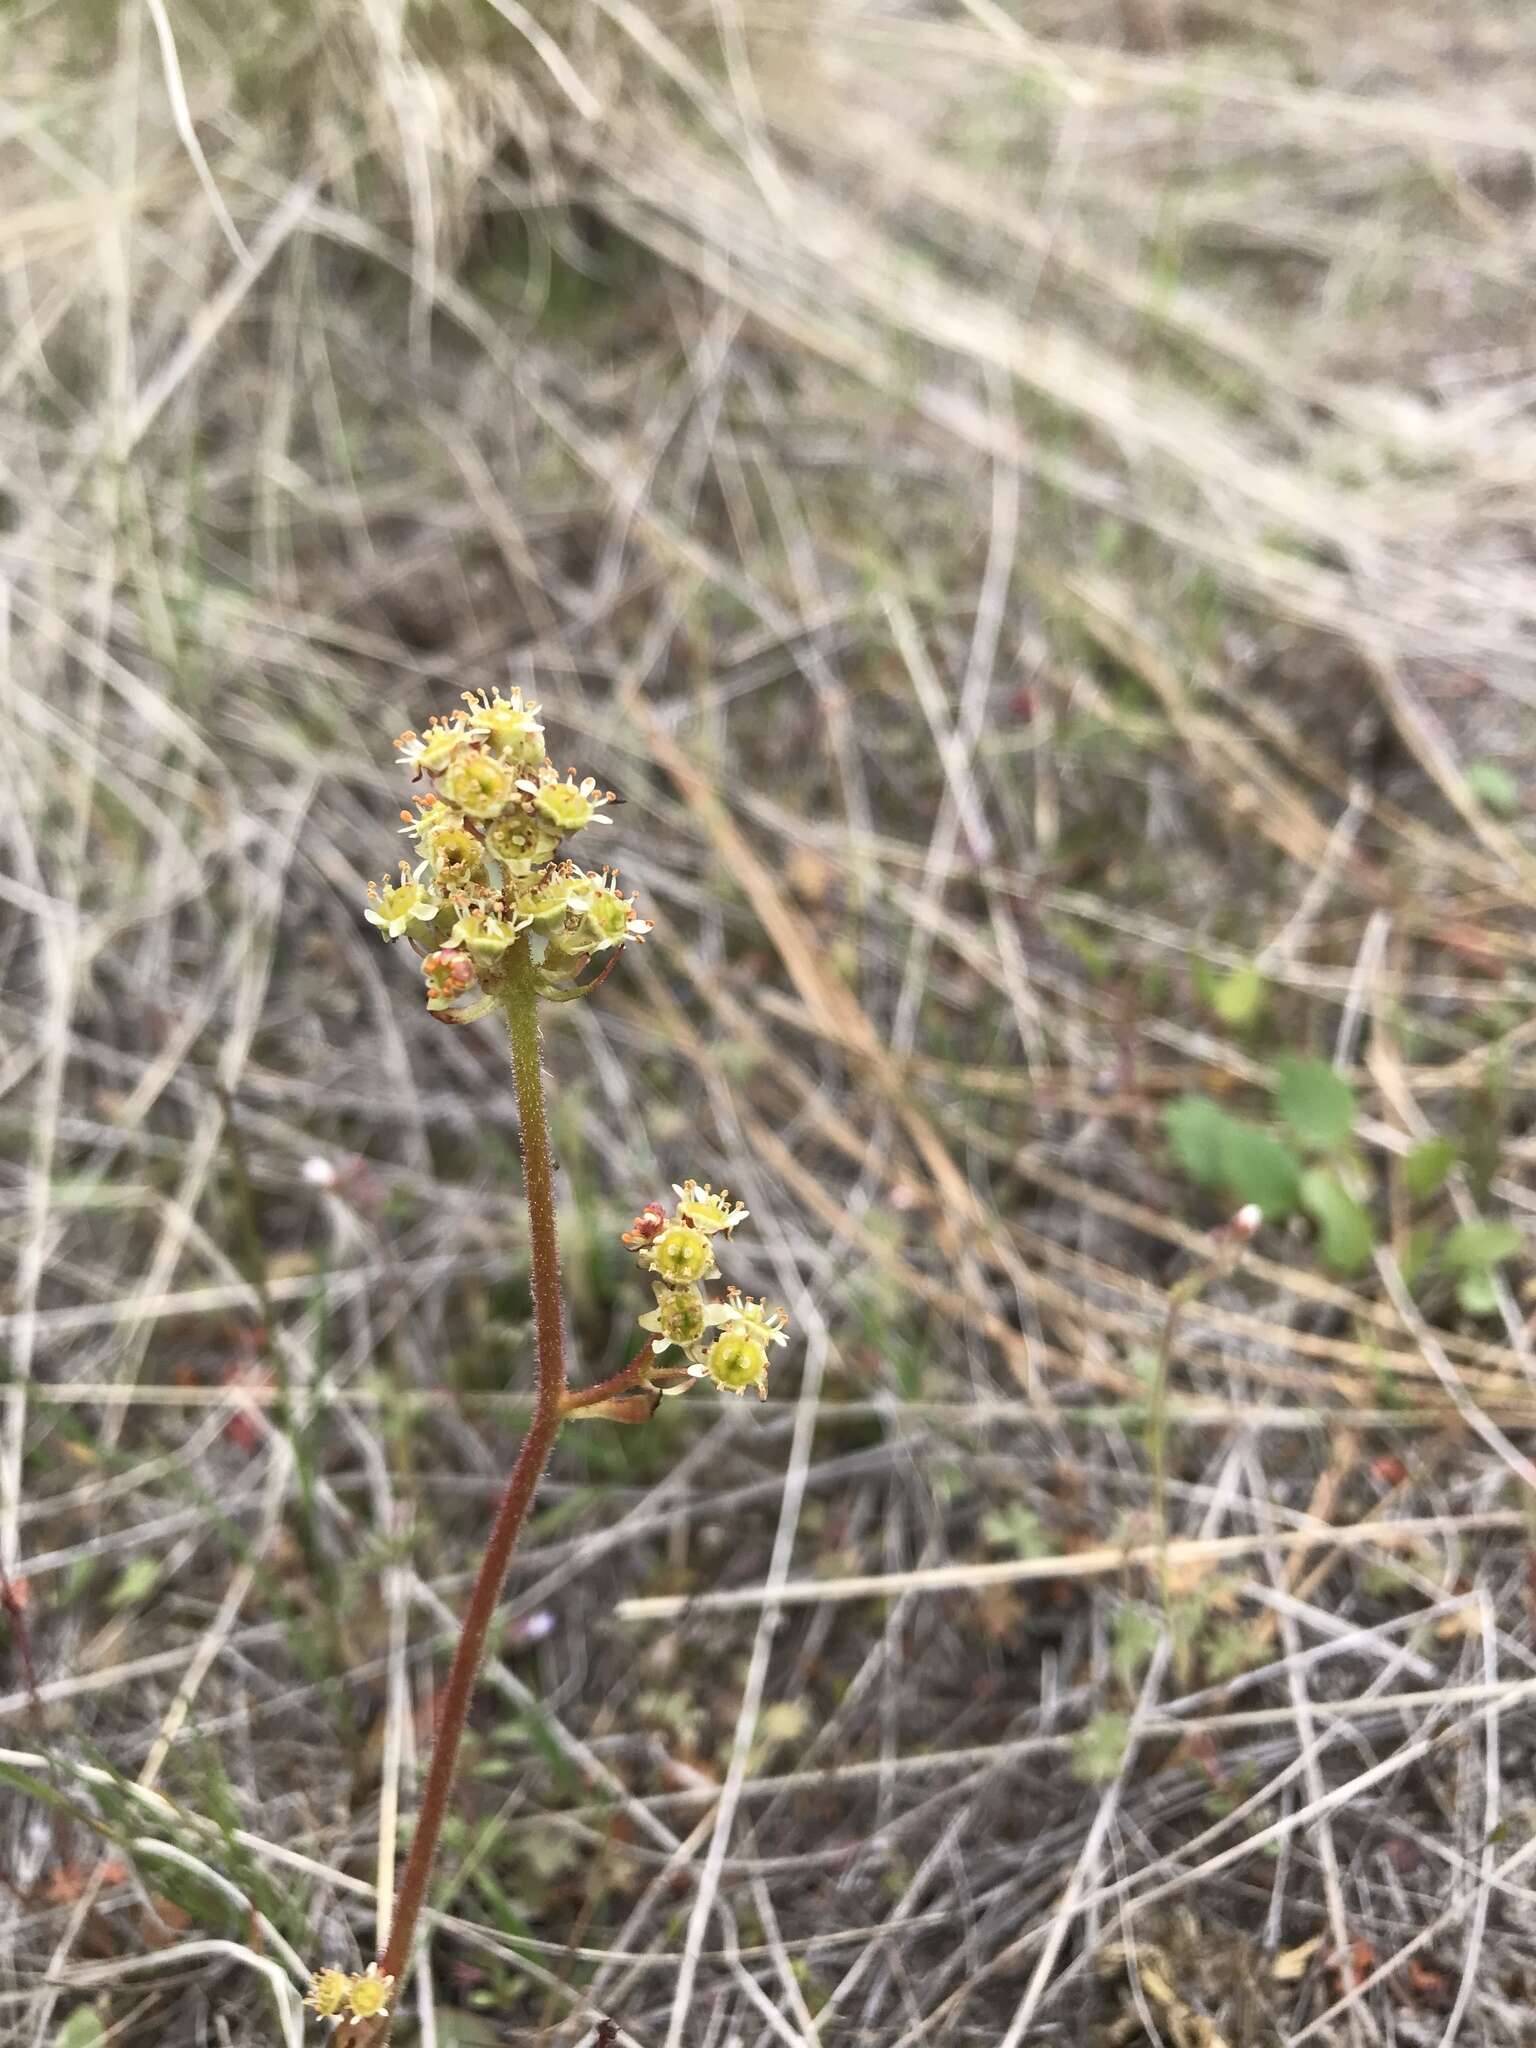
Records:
x=1099, y=1751
x=1201, y=1626
x=1309, y=1163
x=504, y=922
x=1016, y=1529
x=1305, y=1158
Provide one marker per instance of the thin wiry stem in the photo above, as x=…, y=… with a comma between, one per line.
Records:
x=520, y=1002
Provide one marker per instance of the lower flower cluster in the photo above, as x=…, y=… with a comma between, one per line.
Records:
x=728, y=1339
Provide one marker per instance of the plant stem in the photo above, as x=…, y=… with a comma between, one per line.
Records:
x=1227, y=1250
x=617, y=1383
x=520, y=1001
x=1157, y=1422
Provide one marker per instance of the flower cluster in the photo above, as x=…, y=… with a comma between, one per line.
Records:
x=726, y=1340
x=335, y=1995
x=487, y=832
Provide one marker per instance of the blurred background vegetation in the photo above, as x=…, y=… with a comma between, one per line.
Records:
x=1031, y=507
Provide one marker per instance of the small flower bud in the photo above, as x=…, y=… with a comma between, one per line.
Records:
x=647, y=1226
x=1245, y=1223
x=448, y=976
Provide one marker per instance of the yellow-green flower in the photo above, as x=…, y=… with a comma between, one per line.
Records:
x=678, y=1318
x=681, y=1256
x=476, y=784
x=511, y=726
x=764, y=1325
x=570, y=805
x=603, y=917
x=430, y=752
x=368, y=1995
x=545, y=900
x=521, y=841
x=484, y=934
x=396, y=906
x=455, y=856
x=328, y=1992
x=735, y=1361
x=706, y=1210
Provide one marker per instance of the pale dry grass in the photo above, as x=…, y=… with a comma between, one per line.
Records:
x=1020, y=505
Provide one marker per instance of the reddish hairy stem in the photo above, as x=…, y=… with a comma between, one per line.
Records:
x=617, y=1383
x=521, y=1003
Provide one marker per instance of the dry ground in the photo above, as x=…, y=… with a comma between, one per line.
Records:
x=1031, y=505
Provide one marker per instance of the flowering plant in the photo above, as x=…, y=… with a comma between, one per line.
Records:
x=503, y=919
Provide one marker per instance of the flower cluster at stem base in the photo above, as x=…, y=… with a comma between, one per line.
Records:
x=727, y=1340
x=488, y=829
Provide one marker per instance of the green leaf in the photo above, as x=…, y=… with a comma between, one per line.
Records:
x=1493, y=786
x=135, y=1582
x=1195, y=1128
x=83, y=2029
x=1478, y=1247
x=1238, y=999
x=1257, y=1168
x=1427, y=1168
x=1347, y=1234
x=1229, y=1153
x=1315, y=1102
